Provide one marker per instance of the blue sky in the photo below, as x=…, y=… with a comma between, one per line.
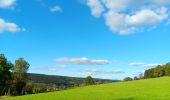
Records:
x=102, y=38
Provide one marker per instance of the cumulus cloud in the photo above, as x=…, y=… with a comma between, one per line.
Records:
x=129, y=16
x=137, y=64
x=7, y=3
x=9, y=27
x=125, y=24
x=148, y=17
x=118, y=23
x=56, y=9
x=99, y=72
x=83, y=60
x=96, y=7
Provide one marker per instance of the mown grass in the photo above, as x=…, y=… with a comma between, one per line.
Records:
x=149, y=89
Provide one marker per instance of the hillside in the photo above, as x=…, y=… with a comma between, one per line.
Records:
x=148, y=89
x=61, y=80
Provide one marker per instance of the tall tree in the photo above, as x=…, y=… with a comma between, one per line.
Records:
x=20, y=75
x=5, y=74
x=89, y=81
x=21, y=66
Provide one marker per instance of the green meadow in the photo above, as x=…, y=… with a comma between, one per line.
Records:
x=147, y=89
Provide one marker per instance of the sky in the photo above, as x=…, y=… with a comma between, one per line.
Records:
x=108, y=39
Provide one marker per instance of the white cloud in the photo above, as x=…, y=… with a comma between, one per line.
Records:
x=130, y=16
x=147, y=17
x=162, y=2
x=83, y=60
x=96, y=7
x=137, y=64
x=121, y=5
x=7, y=3
x=48, y=68
x=124, y=24
x=56, y=9
x=99, y=72
x=118, y=23
x=8, y=26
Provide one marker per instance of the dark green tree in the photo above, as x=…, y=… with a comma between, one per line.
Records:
x=89, y=81
x=167, y=69
x=127, y=79
x=159, y=71
x=136, y=78
x=5, y=74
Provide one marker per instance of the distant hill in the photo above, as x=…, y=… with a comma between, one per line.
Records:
x=62, y=80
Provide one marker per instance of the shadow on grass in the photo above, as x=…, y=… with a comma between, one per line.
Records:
x=127, y=99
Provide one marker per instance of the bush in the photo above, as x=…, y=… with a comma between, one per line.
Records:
x=127, y=79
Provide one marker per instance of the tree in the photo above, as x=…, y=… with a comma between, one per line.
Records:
x=150, y=73
x=159, y=71
x=136, y=78
x=20, y=75
x=28, y=89
x=21, y=66
x=167, y=69
x=127, y=79
x=89, y=81
x=5, y=74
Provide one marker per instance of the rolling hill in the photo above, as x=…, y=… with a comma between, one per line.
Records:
x=147, y=89
x=61, y=80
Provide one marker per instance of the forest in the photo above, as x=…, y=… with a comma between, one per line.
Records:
x=159, y=71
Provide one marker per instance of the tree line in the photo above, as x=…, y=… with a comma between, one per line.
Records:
x=159, y=71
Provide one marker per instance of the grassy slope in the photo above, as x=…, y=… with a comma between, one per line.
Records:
x=149, y=89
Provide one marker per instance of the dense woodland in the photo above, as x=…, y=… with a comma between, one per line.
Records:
x=159, y=71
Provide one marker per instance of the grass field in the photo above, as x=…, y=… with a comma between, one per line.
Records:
x=149, y=89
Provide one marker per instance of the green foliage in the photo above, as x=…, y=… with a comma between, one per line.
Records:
x=5, y=74
x=89, y=81
x=62, y=80
x=127, y=79
x=21, y=66
x=147, y=89
x=159, y=71
x=13, y=78
x=19, y=76
x=136, y=78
